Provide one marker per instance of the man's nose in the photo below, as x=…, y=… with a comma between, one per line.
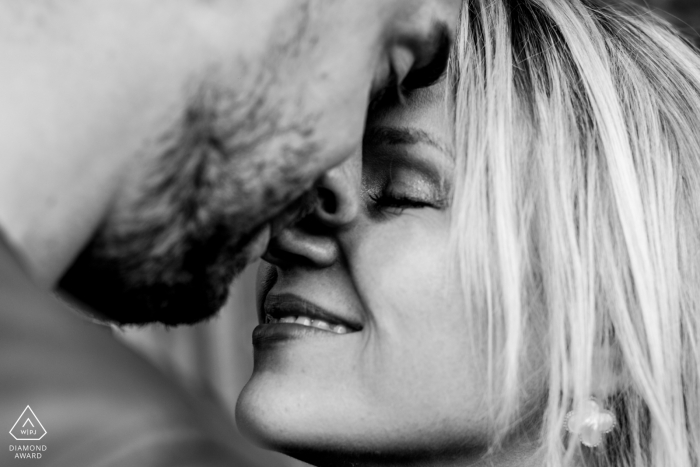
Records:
x=313, y=241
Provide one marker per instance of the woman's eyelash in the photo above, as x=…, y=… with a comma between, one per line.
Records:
x=385, y=200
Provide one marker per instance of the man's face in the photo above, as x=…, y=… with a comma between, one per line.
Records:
x=242, y=108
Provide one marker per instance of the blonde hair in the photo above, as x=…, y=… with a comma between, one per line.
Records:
x=577, y=218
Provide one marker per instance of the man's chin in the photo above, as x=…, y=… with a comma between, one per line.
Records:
x=159, y=293
x=171, y=305
x=153, y=275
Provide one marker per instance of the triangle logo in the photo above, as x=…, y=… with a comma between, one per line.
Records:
x=28, y=427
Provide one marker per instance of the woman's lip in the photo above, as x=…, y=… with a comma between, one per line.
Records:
x=282, y=305
x=271, y=334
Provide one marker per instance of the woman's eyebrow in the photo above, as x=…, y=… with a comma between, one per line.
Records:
x=378, y=136
x=383, y=135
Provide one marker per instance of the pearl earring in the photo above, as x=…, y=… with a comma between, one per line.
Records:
x=590, y=423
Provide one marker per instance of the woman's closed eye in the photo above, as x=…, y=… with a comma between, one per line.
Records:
x=406, y=189
x=405, y=168
x=399, y=202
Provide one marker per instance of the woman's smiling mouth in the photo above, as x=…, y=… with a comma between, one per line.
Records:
x=287, y=316
x=307, y=321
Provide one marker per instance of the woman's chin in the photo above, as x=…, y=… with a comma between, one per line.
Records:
x=314, y=425
x=281, y=419
x=270, y=426
x=303, y=424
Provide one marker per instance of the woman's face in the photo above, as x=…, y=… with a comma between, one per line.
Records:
x=364, y=345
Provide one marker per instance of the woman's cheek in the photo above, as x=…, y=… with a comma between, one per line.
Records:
x=418, y=349
x=404, y=272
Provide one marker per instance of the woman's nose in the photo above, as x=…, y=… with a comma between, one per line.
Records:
x=338, y=203
x=313, y=240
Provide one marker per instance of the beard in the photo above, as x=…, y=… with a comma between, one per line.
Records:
x=186, y=223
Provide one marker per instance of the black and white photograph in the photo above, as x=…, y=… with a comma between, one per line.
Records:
x=350, y=233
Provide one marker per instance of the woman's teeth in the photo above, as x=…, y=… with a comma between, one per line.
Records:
x=306, y=321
